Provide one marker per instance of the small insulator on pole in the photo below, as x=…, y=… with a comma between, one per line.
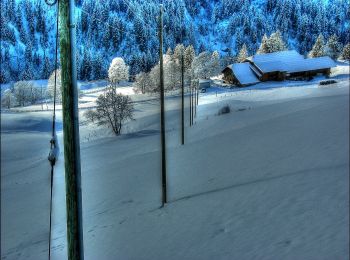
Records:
x=54, y=150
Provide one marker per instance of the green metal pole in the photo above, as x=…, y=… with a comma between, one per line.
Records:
x=71, y=131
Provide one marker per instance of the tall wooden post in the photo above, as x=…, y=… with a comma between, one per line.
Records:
x=191, y=103
x=71, y=131
x=182, y=100
x=197, y=92
x=162, y=113
x=195, y=100
x=42, y=104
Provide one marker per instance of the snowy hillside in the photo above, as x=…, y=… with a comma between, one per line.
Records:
x=259, y=88
x=270, y=180
x=128, y=28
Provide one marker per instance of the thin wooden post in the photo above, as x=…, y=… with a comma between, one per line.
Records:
x=182, y=100
x=197, y=93
x=71, y=131
x=193, y=104
x=195, y=100
x=41, y=90
x=162, y=113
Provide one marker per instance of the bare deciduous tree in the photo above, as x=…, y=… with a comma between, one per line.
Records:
x=8, y=99
x=143, y=83
x=26, y=93
x=112, y=110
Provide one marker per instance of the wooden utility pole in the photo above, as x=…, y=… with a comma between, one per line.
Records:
x=195, y=100
x=182, y=80
x=182, y=100
x=41, y=90
x=189, y=91
x=193, y=104
x=197, y=92
x=162, y=113
x=71, y=131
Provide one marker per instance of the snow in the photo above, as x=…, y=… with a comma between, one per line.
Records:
x=270, y=180
x=243, y=73
x=280, y=56
x=293, y=66
x=311, y=64
x=290, y=62
x=271, y=66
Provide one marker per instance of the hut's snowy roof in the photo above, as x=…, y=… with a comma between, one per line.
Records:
x=271, y=66
x=243, y=73
x=311, y=64
x=290, y=61
x=282, y=56
x=276, y=61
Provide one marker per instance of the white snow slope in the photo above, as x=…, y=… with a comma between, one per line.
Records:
x=270, y=181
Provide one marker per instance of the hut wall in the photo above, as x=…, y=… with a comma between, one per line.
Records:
x=311, y=73
x=229, y=77
x=275, y=76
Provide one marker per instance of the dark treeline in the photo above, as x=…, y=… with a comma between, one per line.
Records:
x=128, y=28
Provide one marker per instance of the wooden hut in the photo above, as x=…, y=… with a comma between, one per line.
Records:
x=276, y=66
x=240, y=74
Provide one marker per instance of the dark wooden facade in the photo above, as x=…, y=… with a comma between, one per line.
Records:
x=229, y=77
x=267, y=76
x=309, y=74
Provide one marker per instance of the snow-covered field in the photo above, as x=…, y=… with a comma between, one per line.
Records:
x=270, y=180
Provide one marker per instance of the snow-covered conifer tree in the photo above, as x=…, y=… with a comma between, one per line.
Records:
x=273, y=43
x=189, y=56
x=178, y=52
x=243, y=54
x=27, y=73
x=172, y=72
x=4, y=74
x=188, y=59
x=303, y=32
x=215, y=64
x=333, y=47
x=276, y=43
x=46, y=68
x=346, y=52
x=169, y=52
x=98, y=66
x=318, y=50
x=202, y=65
x=264, y=45
x=86, y=70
